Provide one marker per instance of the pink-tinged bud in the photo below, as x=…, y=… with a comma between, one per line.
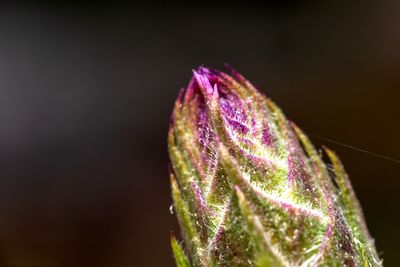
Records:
x=249, y=188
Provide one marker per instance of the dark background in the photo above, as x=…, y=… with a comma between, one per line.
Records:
x=86, y=91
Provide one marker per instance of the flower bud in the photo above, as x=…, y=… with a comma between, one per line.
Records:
x=249, y=188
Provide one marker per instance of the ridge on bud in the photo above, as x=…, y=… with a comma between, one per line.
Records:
x=249, y=188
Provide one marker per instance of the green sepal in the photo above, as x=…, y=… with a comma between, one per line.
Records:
x=267, y=255
x=180, y=256
x=190, y=233
x=353, y=214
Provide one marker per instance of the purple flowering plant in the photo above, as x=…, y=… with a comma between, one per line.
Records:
x=250, y=189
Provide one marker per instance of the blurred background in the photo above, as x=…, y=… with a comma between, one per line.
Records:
x=86, y=91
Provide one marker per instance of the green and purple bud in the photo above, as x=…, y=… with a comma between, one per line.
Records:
x=249, y=188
